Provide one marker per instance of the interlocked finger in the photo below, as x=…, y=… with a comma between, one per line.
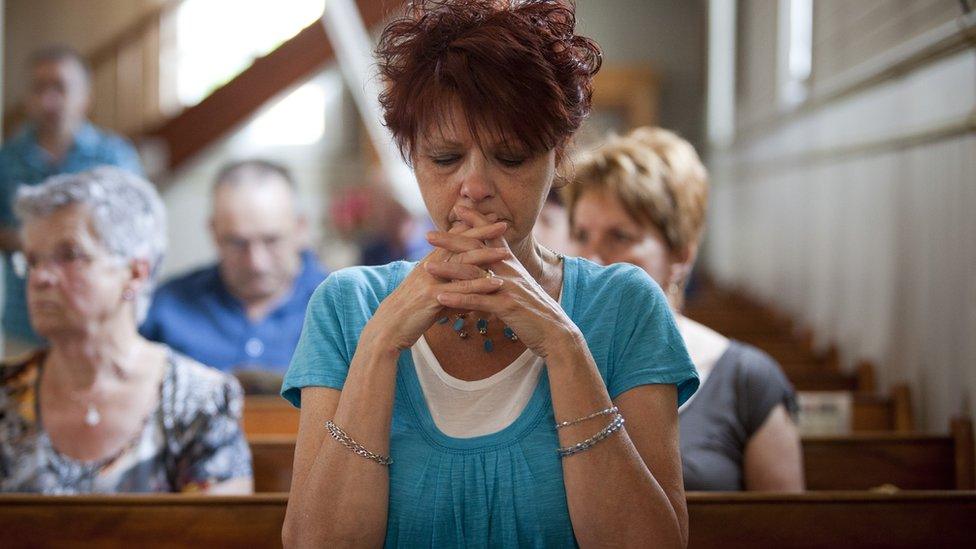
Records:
x=480, y=285
x=455, y=271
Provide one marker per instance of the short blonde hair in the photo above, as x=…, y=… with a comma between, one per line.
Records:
x=657, y=177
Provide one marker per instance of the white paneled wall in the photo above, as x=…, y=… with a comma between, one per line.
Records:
x=859, y=218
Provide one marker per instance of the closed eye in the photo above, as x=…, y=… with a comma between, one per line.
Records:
x=621, y=236
x=445, y=159
x=510, y=161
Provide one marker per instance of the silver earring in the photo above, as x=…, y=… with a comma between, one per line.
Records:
x=674, y=291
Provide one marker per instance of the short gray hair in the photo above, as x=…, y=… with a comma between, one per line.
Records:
x=127, y=214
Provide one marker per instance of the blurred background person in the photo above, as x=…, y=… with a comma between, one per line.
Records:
x=57, y=138
x=641, y=199
x=244, y=314
x=102, y=409
x=552, y=229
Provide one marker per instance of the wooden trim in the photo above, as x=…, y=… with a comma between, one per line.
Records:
x=962, y=433
x=901, y=396
x=866, y=378
x=631, y=89
x=201, y=125
x=728, y=520
x=751, y=173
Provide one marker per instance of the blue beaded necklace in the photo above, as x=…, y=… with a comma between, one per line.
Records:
x=482, y=324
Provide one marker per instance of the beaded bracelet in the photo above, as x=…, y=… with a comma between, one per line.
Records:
x=611, y=428
x=356, y=447
x=610, y=410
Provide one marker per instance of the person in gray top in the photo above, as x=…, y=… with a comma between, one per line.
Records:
x=641, y=199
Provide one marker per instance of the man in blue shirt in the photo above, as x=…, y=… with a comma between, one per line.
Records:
x=245, y=313
x=57, y=139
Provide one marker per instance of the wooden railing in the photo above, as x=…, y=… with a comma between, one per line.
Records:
x=728, y=520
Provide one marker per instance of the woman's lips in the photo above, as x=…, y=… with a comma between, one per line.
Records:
x=491, y=217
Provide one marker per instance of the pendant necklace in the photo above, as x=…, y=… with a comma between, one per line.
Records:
x=92, y=417
x=482, y=324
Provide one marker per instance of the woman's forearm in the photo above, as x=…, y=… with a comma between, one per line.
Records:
x=343, y=498
x=613, y=497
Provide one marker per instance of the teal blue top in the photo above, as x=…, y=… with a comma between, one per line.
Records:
x=504, y=489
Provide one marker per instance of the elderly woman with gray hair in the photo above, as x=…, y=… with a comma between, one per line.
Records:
x=102, y=409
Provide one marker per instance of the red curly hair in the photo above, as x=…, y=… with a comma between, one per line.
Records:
x=516, y=68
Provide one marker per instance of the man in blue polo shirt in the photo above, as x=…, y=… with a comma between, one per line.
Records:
x=57, y=139
x=245, y=313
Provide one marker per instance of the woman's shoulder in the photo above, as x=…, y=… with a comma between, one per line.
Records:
x=19, y=374
x=752, y=364
x=760, y=384
x=356, y=282
x=196, y=388
x=598, y=282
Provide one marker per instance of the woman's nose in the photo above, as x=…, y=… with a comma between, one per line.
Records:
x=477, y=185
x=590, y=251
x=42, y=275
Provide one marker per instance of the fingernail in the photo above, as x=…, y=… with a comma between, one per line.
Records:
x=496, y=281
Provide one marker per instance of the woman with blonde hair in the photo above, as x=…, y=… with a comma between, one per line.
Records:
x=641, y=199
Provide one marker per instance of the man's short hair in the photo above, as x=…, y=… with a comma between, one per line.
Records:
x=252, y=169
x=61, y=52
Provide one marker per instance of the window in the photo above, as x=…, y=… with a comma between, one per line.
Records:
x=217, y=39
x=795, y=51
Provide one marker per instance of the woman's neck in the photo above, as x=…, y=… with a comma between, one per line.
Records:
x=541, y=263
x=705, y=345
x=80, y=360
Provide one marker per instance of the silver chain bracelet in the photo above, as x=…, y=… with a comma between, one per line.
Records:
x=611, y=428
x=356, y=447
x=610, y=410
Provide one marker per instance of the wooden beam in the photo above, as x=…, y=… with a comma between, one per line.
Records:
x=226, y=108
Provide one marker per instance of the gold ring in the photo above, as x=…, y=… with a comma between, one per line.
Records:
x=490, y=274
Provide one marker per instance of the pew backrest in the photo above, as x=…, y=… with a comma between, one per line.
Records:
x=854, y=462
x=269, y=415
x=728, y=520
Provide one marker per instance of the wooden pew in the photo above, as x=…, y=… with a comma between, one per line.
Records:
x=821, y=519
x=832, y=519
x=908, y=461
x=269, y=415
x=854, y=462
x=272, y=458
x=143, y=521
x=272, y=415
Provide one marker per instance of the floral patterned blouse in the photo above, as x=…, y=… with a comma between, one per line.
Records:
x=193, y=438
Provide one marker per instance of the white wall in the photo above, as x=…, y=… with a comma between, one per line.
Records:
x=858, y=217
x=669, y=37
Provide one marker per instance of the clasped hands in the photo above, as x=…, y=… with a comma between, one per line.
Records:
x=472, y=268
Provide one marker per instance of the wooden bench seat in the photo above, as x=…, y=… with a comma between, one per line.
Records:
x=819, y=519
x=856, y=462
